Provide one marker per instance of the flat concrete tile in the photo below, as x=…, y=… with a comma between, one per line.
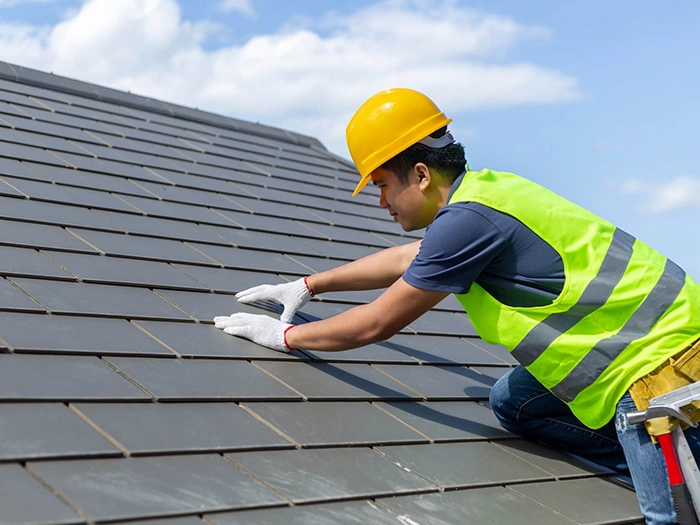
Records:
x=325, y=381
x=15, y=168
x=206, y=341
x=553, y=461
x=337, y=250
x=33, y=431
x=262, y=240
x=25, y=501
x=459, y=465
x=435, y=349
x=76, y=335
x=353, y=513
x=63, y=378
x=29, y=263
x=441, y=382
x=13, y=299
x=188, y=520
x=45, y=191
x=177, y=211
x=335, y=423
x=6, y=188
x=143, y=247
x=229, y=281
x=164, y=228
x=317, y=264
x=494, y=505
x=82, y=179
x=202, y=380
x=100, y=299
x=585, y=501
x=54, y=214
x=115, y=270
x=448, y=420
x=113, y=489
x=244, y=259
x=151, y=428
x=27, y=235
x=306, y=476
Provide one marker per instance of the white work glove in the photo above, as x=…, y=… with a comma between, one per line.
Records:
x=260, y=329
x=290, y=295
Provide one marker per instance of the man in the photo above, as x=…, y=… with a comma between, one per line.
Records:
x=589, y=311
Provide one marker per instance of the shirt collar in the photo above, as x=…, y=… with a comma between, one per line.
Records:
x=456, y=184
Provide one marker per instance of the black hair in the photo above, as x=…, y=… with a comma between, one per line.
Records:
x=449, y=161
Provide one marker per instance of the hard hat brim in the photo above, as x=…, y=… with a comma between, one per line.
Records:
x=363, y=182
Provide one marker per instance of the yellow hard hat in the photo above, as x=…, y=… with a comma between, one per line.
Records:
x=388, y=123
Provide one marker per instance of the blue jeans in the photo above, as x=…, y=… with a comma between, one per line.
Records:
x=523, y=406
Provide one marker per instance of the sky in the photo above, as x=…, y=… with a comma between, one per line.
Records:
x=595, y=100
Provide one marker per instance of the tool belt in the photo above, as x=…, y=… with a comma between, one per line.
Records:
x=680, y=370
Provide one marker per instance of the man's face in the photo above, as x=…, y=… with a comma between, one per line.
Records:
x=406, y=202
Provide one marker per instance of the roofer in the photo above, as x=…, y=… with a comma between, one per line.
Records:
x=593, y=315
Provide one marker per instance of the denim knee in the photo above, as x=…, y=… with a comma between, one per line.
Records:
x=500, y=400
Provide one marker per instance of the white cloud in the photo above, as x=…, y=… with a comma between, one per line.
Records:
x=681, y=192
x=309, y=78
x=242, y=6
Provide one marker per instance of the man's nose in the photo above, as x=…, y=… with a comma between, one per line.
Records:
x=382, y=201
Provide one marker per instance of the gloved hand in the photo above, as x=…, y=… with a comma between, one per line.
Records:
x=292, y=296
x=260, y=329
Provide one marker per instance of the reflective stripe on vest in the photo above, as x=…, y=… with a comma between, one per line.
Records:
x=595, y=295
x=623, y=311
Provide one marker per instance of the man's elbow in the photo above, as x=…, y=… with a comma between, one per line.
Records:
x=379, y=330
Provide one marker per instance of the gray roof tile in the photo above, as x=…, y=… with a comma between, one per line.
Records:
x=334, y=424
x=99, y=299
x=585, y=501
x=25, y=333
x=448, y=420
x=495, y=506
x=25, y=501
x=115, y=270
x=201, y=380
x=54, y=431
x=30, y=263
x=157, y=428
x=305, y=476
x=344, y=513
x=459, y=465
x=63, y=378
x=112, y=489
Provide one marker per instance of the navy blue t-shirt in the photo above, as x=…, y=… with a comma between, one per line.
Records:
x=469, y=242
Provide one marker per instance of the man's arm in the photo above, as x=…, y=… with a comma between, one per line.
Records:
x=400, y=305
x=378, y=270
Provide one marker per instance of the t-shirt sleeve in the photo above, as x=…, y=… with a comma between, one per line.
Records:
x=459, y=244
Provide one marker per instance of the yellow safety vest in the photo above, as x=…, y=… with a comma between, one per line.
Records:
x=623, y=311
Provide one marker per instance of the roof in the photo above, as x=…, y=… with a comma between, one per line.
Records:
x=126, y=224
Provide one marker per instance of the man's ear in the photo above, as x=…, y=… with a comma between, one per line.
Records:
x=424, y=175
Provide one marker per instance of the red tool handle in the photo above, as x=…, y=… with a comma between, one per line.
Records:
x=679, y=490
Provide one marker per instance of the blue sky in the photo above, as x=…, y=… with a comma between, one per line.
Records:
x=595, y=100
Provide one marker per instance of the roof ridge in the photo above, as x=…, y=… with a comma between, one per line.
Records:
x=41, y=79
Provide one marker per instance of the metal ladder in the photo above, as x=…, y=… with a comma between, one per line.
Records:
x=683, y=472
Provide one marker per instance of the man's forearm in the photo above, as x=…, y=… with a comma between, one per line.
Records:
x=379, y=270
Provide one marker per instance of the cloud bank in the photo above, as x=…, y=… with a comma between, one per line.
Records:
x=308, y=79
x=678, y=193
